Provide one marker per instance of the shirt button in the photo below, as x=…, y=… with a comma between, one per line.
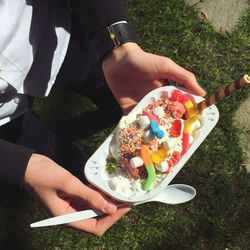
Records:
x=17, y=100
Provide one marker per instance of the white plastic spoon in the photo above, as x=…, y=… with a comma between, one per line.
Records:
x=173, y=194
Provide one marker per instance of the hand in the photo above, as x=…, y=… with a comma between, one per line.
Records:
x=62, y=193
x=131, y=73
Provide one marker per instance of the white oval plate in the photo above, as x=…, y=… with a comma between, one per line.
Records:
x=95, y=167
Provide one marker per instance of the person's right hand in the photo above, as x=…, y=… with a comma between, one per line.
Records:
x=62, y=193
x=131, y=73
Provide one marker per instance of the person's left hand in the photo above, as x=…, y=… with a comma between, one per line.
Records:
x=131, y=73
x=62, y=193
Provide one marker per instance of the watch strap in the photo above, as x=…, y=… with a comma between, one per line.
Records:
x=112, y=37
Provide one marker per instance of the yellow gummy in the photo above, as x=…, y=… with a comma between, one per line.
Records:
x=191, y=108
x=158, y=156
x=188, y=123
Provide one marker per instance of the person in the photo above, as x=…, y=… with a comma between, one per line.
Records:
x=84, y=46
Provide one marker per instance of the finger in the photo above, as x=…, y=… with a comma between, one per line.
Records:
x=101, y=225
x=175, y=72
x=92, y=198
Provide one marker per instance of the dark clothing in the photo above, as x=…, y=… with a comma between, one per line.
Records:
x=95, y=15
x=81, y=72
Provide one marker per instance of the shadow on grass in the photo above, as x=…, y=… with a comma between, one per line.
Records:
x=14, y=206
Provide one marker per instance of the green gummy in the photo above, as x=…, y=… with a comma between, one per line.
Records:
x=150, y=179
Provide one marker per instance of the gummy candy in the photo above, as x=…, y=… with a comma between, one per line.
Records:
x=133, y=171
x=188, y=123
x=158, y=156
x=191, y=108
x=151, y=116
x=185, y=142
x=145, y=154
x=156, y=130
x=179, y=96
x=176, y=128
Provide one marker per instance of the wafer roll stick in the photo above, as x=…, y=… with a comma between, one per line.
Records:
x=225, y=91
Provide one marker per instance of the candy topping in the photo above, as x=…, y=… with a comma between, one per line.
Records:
x=151, y=142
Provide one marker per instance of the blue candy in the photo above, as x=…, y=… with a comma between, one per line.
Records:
x=156, y=130
x=159, y=134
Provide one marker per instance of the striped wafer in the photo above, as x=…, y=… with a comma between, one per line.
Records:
x=225, y=91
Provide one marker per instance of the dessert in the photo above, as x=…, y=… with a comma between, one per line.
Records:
x=150, y=141
x=152, y=144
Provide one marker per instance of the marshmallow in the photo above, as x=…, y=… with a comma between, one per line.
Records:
x=170, y=143
x=114, y=183
x=149, y=136
x=162, y=167
x=136, y=162
x=196, y=125
x=144, y=122
x=159, y=111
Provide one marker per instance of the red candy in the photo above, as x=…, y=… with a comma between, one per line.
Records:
x=176, y=128
x=179, y=96
x=170, y=163
x=175, y=95
x=185, y=142
x=177, y=156
x=168, y=171
x=134, y=172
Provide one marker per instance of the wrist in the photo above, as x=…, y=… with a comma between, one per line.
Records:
x=34, y=163
x=121, y=52
x=113, y=37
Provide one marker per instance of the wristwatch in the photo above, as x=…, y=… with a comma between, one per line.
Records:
x=112, y=37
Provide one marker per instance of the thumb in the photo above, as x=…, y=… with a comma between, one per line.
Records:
x=91, y=197
x=171, y=70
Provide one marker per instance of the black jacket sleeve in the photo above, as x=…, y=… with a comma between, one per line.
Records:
x=94, y=15
x=11, y=156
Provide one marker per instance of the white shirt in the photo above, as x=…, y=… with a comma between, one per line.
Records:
x=34, y=37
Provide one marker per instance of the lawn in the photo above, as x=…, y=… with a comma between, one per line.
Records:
x=219, y=216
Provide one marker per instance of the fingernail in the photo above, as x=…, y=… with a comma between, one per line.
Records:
x=204, y=92
x=110, y=208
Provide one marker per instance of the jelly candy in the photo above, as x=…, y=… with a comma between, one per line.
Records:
x=177, y=95
x=156, y=130
x=191, y=109
x=176, y=128
x=188, y=123
x=185, y=142
x=145, y=154
x=158, y=156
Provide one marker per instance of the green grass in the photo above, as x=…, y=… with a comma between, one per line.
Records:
x=219, y=216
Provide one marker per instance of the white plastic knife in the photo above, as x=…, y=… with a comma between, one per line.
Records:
x=67, y=218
